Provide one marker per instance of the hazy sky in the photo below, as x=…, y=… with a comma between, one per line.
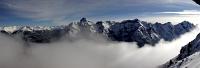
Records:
x=56, y=12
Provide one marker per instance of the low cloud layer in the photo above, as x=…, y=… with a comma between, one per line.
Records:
x=88, y=53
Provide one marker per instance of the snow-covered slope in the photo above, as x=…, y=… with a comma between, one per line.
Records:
x=192, y=61
x=127, y=31
x=189, y=56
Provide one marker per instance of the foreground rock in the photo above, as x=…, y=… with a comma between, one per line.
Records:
x=189, y=56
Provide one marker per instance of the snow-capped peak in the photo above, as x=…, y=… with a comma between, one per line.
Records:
x=127, y=31
x=10, y=29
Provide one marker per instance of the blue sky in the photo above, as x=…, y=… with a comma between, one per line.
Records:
x=58, y=12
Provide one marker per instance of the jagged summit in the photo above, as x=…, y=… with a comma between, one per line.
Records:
x=125, y=31
x=143, y=32
x=83, y=20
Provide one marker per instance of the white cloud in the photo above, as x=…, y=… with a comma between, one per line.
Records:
x=185, y=12
x=88, y=54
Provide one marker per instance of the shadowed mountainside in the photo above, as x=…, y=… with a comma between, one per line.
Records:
x=125, y=31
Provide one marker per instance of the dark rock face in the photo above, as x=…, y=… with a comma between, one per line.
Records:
x=133, y=31
x=83, y=20
x=190, y=48
x=99, y=26
x=4, y=32
x=126, y=31
x=147, y=33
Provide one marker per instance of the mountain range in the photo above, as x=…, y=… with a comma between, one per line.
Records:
x=134, y=30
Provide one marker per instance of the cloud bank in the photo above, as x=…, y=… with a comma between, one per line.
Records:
x=88, y=53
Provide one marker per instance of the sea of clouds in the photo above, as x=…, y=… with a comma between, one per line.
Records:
x=88, y=53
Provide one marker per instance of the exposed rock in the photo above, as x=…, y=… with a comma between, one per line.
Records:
x=187, y=52
x=126, y=31
x=147, y=33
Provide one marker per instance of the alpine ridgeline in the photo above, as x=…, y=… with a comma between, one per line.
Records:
x=125, y=31
x=189, y=56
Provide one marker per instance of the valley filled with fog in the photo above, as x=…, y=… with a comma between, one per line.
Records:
x=86, y=53
x=117, y=34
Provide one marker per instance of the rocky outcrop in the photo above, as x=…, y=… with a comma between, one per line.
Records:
x=187, y=54
x=147, y=33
